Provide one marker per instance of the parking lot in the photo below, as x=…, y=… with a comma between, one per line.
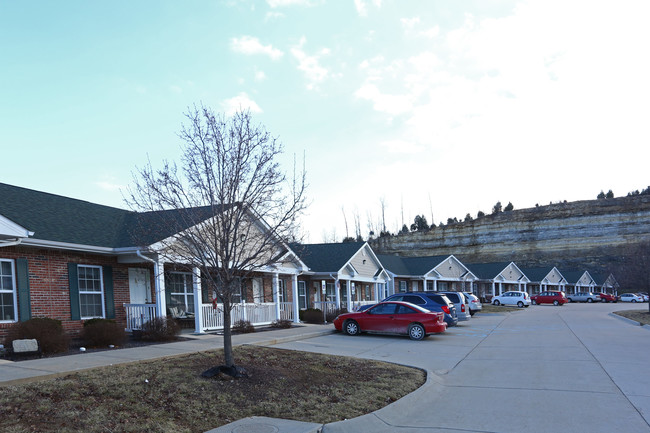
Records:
x=573, y=368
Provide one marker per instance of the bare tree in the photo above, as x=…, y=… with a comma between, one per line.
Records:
x=345, y=220
x=382, y=203
x=357, y=225
x=634, y=271
x=228, y=207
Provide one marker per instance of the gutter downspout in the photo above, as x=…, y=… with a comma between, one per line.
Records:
x=160, y=298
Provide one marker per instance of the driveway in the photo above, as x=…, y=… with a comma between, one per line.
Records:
x=573, y=368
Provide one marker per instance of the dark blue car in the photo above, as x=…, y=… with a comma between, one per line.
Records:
x=432, y=301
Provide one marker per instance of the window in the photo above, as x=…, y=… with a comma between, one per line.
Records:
x=330, y=294
x=91, y=291
x=282, y=291
x=302, y=295
x=367, y=292
x=181, y=291
x=7, y=291
x=402, y=286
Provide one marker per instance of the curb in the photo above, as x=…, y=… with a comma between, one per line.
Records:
x=630, y=321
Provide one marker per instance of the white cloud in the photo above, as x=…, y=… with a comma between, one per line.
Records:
x=410, y=23
x=362, y=6
x=109, y=186
x=309, y=64
x=239, y=103
x=251, y=45
x=401, y=146
x=260, y=76
x=273, y=15
x=285, y=3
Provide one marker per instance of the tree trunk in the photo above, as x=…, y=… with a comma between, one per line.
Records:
x=229, y=360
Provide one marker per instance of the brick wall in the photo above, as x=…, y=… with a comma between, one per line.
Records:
x=49, y=288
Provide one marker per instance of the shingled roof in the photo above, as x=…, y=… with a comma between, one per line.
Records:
x=410, y=266
x=326, y=257
x=62, y=219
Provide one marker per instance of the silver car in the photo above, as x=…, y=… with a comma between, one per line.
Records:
x=461, y=303
x=474, y=303
x=520, y=299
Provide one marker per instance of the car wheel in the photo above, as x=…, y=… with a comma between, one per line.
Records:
x=556, y=302
x=351, y=327
x=603, y=300
x=534, y=302
x=569, y=299
x=416, y=331
x=634, y=300
x=520, y=304
x=496, y=302
x=590, y=300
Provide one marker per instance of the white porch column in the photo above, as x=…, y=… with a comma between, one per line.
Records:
x=276, y=294
x=337, y=292
x=161, y=300
x=348, y=291
x=198, y=301
x=294, y=293
x=493, y=288
x=435, y=285
x=375, y=289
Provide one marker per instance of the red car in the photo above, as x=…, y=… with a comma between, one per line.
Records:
x=607, y=297
x=555, y=298
x=393, y=318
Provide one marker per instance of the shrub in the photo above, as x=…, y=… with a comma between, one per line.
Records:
x=160, y=329
x=243, y=327
x=281, y=324
x=48, y=332
x=331, y=315
x=311, y=315
x=102, y=332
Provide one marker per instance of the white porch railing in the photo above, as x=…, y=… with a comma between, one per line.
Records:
x=255, y=313
x=138, y=314
x=328, y=307
x=357, y=304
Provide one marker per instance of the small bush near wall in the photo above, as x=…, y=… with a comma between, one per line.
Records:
x=281, y=324
x=160, y=329
x=243, y=327
x=311, y=315
x=48, y=332
x=331, y=315
x=102, y=332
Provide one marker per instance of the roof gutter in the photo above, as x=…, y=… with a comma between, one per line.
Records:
x=11, y=243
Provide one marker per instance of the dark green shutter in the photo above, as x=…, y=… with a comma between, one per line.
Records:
x=73, y=282
x=22, y=282
x=109, y=299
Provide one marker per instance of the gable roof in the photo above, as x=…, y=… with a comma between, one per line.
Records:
x=62, y=219
x=410, y=266
x=537, y=274
x=487, y=271
x=322, y=258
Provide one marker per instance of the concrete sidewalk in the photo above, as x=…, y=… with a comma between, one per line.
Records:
x=12, y=373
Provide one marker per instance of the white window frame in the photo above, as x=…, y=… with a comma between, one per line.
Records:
x=403, y=286
x=282, y=290
x=188, y=290
x=92, y=292
x=302, y=293
x=13, y=290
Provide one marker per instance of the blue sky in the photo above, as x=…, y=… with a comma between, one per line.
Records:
x=437, y=107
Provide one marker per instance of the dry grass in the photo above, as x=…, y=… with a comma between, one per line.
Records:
x=489, y=308
x=641, y=316
x=169, y=395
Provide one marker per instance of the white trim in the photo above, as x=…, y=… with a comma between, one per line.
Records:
x=10, y=229
x=92, y=292
x=13, y=291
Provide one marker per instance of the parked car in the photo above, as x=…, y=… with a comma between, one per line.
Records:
x=552, y=297
x=520, y=299
x=607, y=297
x=431, y=301
x=630, y=297
x=461, y=303
x=644, y=296
x=474, y=303
x=392, y=318
x=583, y=297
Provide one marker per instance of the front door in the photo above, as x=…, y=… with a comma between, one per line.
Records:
x=139, y=285
x=258, y=293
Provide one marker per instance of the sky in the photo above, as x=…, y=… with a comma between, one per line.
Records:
x=432, y=107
